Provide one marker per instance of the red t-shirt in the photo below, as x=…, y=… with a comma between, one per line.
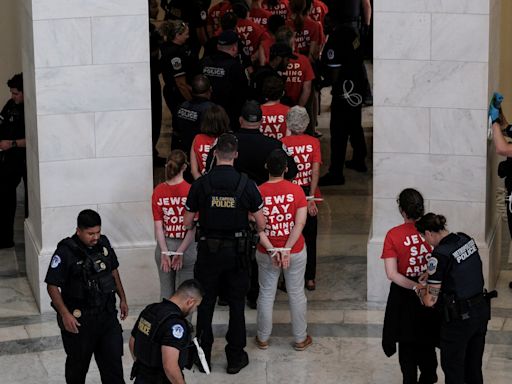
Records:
x=266, y=43
x=411, y=251
x=281, y=201
x=280, y=9
x=299, y=70
x=259, y=16
x=273, y=121
x=168, y=203
x=311, y=31
x=305, y=150
x=318, y=11
x=251, y=34
x=201, y=147
x=216, y=12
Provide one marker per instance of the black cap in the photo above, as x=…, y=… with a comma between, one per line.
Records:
x=282, y=50
x=251, y=111
x=228, y=37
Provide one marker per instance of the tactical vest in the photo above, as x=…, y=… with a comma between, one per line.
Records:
x=463, y=278
x=147, y=349
x=91, y=282
x=223, y=213
x=345, y=10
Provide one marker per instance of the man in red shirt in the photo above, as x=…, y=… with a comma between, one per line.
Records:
x=273, y=122
x=249, y=32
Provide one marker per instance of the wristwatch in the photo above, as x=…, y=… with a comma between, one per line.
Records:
x=14, y=144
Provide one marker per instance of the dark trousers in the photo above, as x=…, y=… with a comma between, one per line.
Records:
x=99, y=335
x=254, y=289
x=173, y=99
x=156, y=111
x=11, y=176
x=214, y=270
x=345, y=123
x=462, y=348
x=413, y=356
x=310, y=233
x=508, y=186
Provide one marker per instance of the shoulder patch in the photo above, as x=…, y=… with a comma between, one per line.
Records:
x=330, y=54
x=203, y=15
x=177, y=331
x=432, y=266
x=176, y=63
x=56, y=260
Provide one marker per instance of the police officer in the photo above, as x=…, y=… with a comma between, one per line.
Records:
x=161, y=339
x=227, y=76
x=254, y=147
x=455, y=283
x=82, y=281
x=13, y=165
x=342, y=62
x=190, y=112
x=178, y=68
x=223, y=198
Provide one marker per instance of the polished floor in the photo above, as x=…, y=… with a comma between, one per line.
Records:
x=346, y=329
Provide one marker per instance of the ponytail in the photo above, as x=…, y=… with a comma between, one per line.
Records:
x=175, y=163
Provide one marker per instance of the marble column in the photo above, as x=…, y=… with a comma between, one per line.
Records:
x=88, y=113
x=433, y=73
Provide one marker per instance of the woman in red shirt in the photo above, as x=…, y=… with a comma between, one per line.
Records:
x=281, y=248
x=168, y=203
x=306, y=152
x=308, y=33
x=406, y=321
x=215, y=122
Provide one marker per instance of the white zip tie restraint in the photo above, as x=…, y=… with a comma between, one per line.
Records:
x=172, y=253
x=313, y=198
x=353, y=99
x=275, y=251
x=201, y=355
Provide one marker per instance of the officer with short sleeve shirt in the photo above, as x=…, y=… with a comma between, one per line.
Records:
x=178, y=67
x=455, y=284
x=224, y=198
x=82, y=282
x=161, y=339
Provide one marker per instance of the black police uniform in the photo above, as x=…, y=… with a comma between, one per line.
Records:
x=188, y=120
x=156, y=89
x=243, y=55
x=229, y=84
x=223, y=199
x=159, y=324
x=456, y=265
x=13, y=167
x=176, y=61
x=84, y=276
x=258, y=77
x=342, y=61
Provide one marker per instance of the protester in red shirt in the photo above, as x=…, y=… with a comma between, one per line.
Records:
x=306, y=152
x=277, y=7
x=299, y=74
x=215, y=122
x=416, y=328
x=168, y=204
x=281, y=248
x=308, y=33
x=258, y=14
x=214, y=15
x=274, y=23
x=273, y=122
x=248, y=31
x=318, y=11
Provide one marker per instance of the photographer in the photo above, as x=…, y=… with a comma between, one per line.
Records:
x=13, y=166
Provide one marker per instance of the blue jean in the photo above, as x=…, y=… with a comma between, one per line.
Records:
x=294, y=277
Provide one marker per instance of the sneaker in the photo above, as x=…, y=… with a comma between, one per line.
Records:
x=356, y=166
x=331, y=179
x=261, y=344
x=305, y=344
x=310, y=285
x=234, y=369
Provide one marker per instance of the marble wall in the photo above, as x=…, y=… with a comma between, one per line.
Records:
x=432, y=82
x=89, y=125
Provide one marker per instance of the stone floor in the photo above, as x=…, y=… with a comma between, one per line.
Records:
x=346, y=329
